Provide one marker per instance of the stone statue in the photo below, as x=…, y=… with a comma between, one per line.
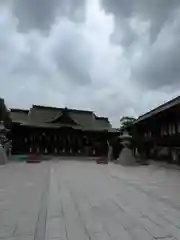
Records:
x=126, y=157
x=3, y=144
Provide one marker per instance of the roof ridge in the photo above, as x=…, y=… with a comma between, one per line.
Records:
x=58, y=108
x=161, y=105
x=102, y=118
x=18, y=110
x=46, y=107
x=160, y=108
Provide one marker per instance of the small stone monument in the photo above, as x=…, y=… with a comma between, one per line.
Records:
x=3, y=139
x=110, y=152
x=125, y=157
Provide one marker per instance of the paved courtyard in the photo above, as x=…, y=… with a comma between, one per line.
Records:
x=76, y=200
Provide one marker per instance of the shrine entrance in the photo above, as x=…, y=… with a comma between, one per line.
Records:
x=62, y=141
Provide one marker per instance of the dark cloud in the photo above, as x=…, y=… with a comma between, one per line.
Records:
x=160, y=64
x=72, y=54
x=157, y=12
x=40, y=14
x=158, y=48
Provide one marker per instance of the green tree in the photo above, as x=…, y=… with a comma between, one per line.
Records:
x=126, y=123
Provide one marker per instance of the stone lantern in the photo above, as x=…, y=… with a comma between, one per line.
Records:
x=3, y=141
x=126, y=139
x=125, y=157
x=2, y=127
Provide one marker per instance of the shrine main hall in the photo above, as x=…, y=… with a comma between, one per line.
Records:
x=61, y=131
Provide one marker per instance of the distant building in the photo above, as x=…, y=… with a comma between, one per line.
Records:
x=4, y=114
x=62, y=131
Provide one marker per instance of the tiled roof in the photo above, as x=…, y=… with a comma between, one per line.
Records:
x=161, y=108
x=42, y=116
x=19, y=115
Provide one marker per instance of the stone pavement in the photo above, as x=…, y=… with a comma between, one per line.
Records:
x=76, y=200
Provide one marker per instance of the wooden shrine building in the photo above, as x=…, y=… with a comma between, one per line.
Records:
x=61, y=131
x=160, y=130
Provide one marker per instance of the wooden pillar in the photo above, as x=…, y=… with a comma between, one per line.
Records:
x=39, y=141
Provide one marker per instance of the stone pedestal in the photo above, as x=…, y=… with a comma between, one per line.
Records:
x=3, y=157
x=126, y=158
x=110, y=153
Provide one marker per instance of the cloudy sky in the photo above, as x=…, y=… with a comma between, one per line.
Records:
x=116, y=57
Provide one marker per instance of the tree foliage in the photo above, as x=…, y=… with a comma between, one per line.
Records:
x=126, y=123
